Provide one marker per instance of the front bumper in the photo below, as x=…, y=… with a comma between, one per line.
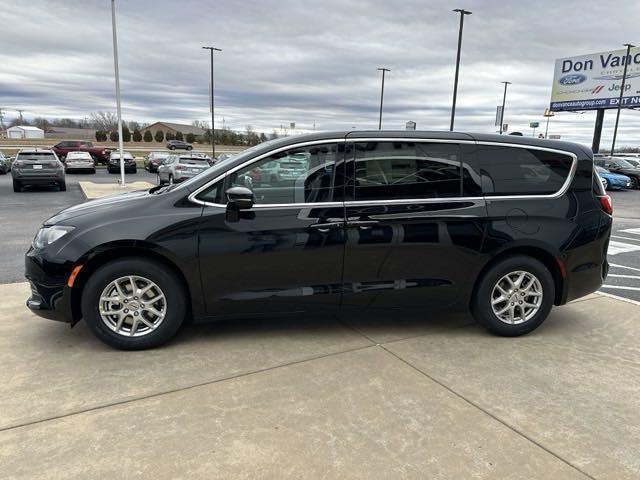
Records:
x=50, y=297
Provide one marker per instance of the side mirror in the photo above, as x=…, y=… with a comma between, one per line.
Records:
x=240, y=198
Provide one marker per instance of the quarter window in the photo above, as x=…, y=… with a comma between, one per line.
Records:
x=521, y=171
x=300, y=175
x=405, y=170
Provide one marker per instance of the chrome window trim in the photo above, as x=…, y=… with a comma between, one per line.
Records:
x=563, y=189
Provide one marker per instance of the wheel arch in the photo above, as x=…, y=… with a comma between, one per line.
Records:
x=103, y=254
x=544, y=256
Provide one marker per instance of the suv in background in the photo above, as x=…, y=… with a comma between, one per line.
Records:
x=113, y=165
x=153, y=160
x=98, y=154
x=177, y=168
x=179, y=145
x=4, y=164
x=37, y=167
x=380, y=221
x=621, y=166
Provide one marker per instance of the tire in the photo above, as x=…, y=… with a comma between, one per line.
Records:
x=93, y=171
x=173, y=305
x=172, y=147
x=62, y=186
x=189, y=148
x=486, y=290
x=634, y=183
x=17, y=187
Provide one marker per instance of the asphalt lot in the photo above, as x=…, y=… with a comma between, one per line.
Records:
x=22, y=214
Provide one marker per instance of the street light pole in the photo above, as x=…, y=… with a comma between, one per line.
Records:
x=504, y=99
x=455, y=80
x=213, y=143
x=624, y=79
x=117, y=74
x=383, y=70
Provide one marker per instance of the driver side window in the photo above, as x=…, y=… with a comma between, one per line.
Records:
x=300, y=175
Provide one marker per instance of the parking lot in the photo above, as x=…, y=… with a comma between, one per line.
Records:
x=433, y=396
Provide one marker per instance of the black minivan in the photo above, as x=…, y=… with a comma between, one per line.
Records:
x=505, y=226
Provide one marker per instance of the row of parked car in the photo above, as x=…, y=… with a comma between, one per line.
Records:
x=618, y=173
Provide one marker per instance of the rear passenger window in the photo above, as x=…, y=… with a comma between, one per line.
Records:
x=405, y=170
x=521, y=171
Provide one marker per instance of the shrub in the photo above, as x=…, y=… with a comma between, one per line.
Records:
x=169, y=136
x=179, y=135
x=113, y=136
x=137, y=136
x=126, y=134
x=101, y=136
x=159, y=136
x=191, y=138
x=147, y=136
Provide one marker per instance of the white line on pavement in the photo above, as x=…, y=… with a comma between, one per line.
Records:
x=624, y=266
x=632, y=230
x=623, y=276
x=619, y=287
x=620, y=247
x=624, y=299
x=626, y=238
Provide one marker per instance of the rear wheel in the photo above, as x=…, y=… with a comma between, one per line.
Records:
x=514, y=296
x=133, y=304
x=17, y=187
x=634, y=183
x=189, y=148
x=62, y=186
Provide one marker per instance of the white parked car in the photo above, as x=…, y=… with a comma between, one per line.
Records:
x=79, y=161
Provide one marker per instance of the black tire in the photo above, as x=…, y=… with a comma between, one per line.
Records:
x=481, y=303
x=17, y=187
x=176, y=307
x=634, y=183
x=62, y=186
x=189, y=148
x=172, y=147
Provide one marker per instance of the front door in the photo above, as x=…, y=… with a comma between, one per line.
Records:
x=415, y=219
x=286, y=253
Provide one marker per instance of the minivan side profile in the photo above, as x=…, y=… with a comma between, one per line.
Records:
x=385, y=221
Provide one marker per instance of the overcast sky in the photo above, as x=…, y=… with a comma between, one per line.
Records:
x=308, y=61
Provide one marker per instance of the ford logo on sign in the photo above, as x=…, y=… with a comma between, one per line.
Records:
x=573, y=79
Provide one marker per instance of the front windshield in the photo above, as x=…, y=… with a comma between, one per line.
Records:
x=623, y=163
x=635, y=163
x=242, y=156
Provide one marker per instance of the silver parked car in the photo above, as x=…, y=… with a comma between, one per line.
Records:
x=37, y=167
x=79, y=161
x=176, y=168
x=4, y=164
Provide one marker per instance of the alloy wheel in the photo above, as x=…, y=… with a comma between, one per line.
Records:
x=516, y=297
x=132, y=306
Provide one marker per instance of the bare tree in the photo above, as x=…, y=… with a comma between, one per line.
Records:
x=105, y=121
x=200, y=124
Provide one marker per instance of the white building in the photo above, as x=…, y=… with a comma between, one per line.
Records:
x=20, y=132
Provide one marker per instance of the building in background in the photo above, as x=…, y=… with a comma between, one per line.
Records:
x=173, y=128
x=71, y=133
x=24, y=132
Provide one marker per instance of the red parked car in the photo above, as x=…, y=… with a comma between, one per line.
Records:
x=98, y=154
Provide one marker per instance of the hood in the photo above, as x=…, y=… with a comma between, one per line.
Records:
x=110, y=203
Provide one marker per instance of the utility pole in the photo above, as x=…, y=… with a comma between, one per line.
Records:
x=455, y=80
x=383, y=70
x=504, y=99
x=20, y=113
x=624, y=79
x=117, y=75
x=213, y=142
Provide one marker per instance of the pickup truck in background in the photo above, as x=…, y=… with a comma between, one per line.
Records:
x=98, y=154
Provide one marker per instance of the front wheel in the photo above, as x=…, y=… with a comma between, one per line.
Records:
x=634, y=183
x=189, y=148
x=514, y=296
x=17, y=187
x=134, y=303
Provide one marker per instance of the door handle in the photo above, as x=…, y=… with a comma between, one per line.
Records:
x=363, y=224
x=325, y=227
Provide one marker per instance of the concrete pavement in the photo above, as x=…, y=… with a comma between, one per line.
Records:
x=365, y=397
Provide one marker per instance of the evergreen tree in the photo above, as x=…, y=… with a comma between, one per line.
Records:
x=159, y=136
x=147, y=136
x=137, y=136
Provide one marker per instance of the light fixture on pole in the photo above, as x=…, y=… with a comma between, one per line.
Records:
x=547, y=113
x=624, y=79
x=213, y=143
x=117, y=73
x=383, y=70
x=504, y=99
x=455, y=80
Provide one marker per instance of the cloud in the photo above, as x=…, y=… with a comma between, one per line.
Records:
x=310, y=62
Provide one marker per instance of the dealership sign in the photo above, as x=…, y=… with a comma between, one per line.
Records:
x=593, y=81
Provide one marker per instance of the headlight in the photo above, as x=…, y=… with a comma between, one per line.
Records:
x=48, y=235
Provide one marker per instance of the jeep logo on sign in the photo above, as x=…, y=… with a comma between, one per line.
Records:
x=573, y=79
